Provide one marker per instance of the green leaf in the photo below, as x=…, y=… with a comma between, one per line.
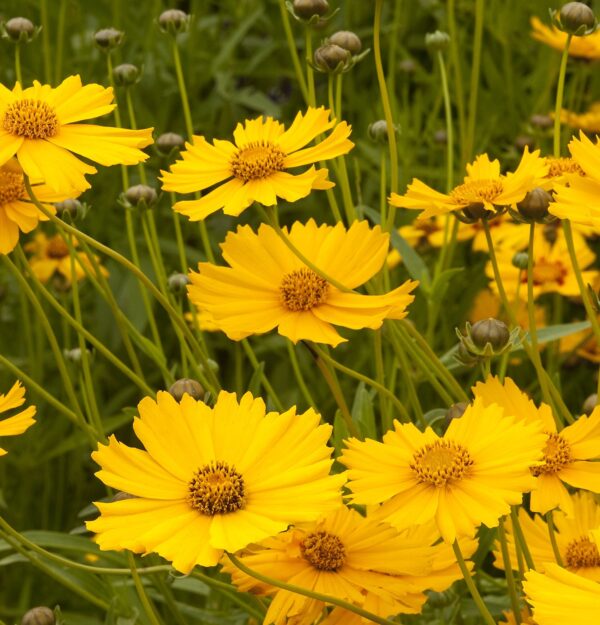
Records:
x=363, y=413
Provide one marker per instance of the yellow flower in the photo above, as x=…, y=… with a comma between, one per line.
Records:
x=17, y=213
x=487, y=304
x=51, y=255
x=578, y=552
x=526, y=618
x=37, y=126
x=267, y=286
x=213, y=479
x=18, y=423
x=253, y=168
x=353, y=558
x=583, y=343
x=483, y=188
x=588, y=121
x=587, y=47
x=471, y=475
x=568, y=455
x=559, y=596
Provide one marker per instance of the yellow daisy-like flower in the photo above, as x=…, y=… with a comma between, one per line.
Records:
x=587, y=47
x=588, y=121
x=213, y=479
x=254, y=167
x=353, y=558
x=568, y=455
x=267, y=286
x=483, y=188
x=18, y=423
x=37, y=126
x=50, y=256
x=559, y=596
x=578, y=551
x=471, y=475
x=487, y=304
x=17, y=213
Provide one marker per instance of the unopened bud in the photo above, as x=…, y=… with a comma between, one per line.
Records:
x=348, y=40
x=378, y=131
x=186, y=386
x=141, y=196
x=534, y=206
x=177, y=283
x=520, y=260
x=490, y=332
x=71, y=208
x=20, y=29
x=173, y=21
x=576, y=18
x=40, y=615
x=126, y=74
x=305, y=9
x=437, y=41
x=108, y=39
x=168, y=142
x=331, y=58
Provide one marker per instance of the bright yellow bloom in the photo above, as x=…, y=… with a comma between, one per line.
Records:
x=356, y=559
x=267, y=286
x=17, y=213
x=587, y=47
x=37, y=126
x=253, y=168
x=50, y=256
x=526, y=618
x=588, y=121
x=578, y=551
x=471, y=475
x=18, y=423
x=559, y=596
x=213, y=479
x=487, y=304
x=483, y=188
x=568, y=455
x=583, y=344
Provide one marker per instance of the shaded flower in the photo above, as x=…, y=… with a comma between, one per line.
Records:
x=18, y=423
x=588, y=121
x=254, y=167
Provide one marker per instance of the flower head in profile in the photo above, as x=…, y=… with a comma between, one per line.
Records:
x=469, y=476
x=559, y=596
x=267, y=286
x=587, y=47
x=17, y=213
x=19, y=422
x=571, y=456
x=254, y=168
x=50, y=256
x=213, y=479
x=345, y=555
x=483, y=191
x=578, y=551
x=589, y=121
x=38, y=126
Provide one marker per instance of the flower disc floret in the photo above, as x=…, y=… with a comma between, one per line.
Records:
x=303, y=289
x=441, y=463
x=477, y=191
x=216, y=488
x=257, y=161
x=582, y=553
x=323, y=551
x=557, y=455
x=31, y=119
x=12, y=187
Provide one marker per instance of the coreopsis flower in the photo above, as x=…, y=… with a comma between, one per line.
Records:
x=213, y=479
x=255, y=167
x=50, y=256
x=552, y=269
x=577, y=550
x=483, y=191
x=353, y=558
x=17, y=213
x=559, y=596
x=487, y=304
x=583, y=344
x=468, y=477
x=18, y=423
x=569, y=455
x=588, y=121
x=37, y=125
x=267, y=286
x=587, y=47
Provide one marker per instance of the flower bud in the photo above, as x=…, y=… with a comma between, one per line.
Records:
x=186, y=386
x=576, y=18
x=490, y=332
x=437, y=41
x=331, y=58
x=69, y=208
x=408, y=66
x=177, y=283
x=305, y=9
x=378, y=131
x=541, y=121
x=141, y=196
x=126, y=74
x=534, y=206
x=589, y=404
x=108, y=39
x=20, y=29
x=348, y=40
x=40, y=615
x=520, y=260
x=173, y=21
x=168, y=142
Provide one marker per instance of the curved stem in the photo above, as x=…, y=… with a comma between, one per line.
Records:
x=141, y=592
x=560, y=92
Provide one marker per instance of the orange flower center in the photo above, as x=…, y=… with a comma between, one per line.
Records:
x=216, y=488
x=582, y=553
x=57, y=248
x=31, y=119
x=302, y=289
x=441, y=463
x=546, y=272
x=557, y=455
x=257, y=160
x=324, y=551
x=11, y=187
x=476, y=192
x=563, y=165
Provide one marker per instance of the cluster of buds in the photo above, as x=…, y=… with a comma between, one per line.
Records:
x=575, y=18
x=483, y=340
x=339, y=53
x=19, y=30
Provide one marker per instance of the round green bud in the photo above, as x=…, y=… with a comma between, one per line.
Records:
x=168, y=142
x=40, y=615
x=108, y=39
x=348, y=40
x=520, y=260
x=331, y=57
x=126, y=74
x=437, y=41
x=173, y=21
x=186, y=386
x=534, y=206
x=141, y=195
x=490, y=331
x=20, y=29
x=305, y=9
x=177, y=283
x=577, y=18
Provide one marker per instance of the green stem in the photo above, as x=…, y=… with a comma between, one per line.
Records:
x=510, y=577
x=560, y=92
x=310, y=74
x=520, y=537
x=60, y=41
x=552, y=534
x=141, y=592
x=263, y=378
x=47, y=56
x=449, y=125
x=18, y=72
x=474, y=85
x=289, y=36
x=299, y=377
x=457, y=70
